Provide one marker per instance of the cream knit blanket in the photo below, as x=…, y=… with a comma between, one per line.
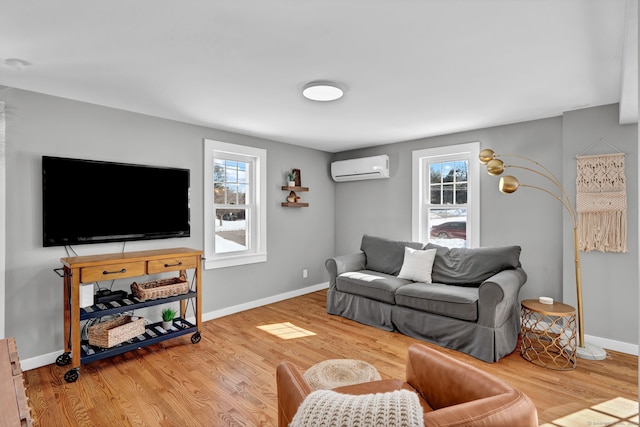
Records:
x=326, y=408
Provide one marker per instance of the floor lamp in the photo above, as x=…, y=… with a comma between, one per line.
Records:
x=509, y=184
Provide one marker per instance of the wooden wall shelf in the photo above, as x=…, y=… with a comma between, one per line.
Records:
x=294, y=204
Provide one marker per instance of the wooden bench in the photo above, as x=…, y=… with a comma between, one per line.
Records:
x=14, y=405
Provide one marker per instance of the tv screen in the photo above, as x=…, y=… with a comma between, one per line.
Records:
x=89, y=201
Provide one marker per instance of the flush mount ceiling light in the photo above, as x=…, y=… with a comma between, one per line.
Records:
x=322, y=91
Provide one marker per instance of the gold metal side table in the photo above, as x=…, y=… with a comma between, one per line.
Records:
x=549, y=334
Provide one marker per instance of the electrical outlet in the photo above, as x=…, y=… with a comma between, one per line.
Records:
x=305, y=273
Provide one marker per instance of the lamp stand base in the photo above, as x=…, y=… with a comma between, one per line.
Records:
x=591, y=352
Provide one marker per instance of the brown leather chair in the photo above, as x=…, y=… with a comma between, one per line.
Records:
x=451, y=392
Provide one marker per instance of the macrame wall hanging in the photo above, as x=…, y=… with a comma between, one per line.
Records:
x=601, y=203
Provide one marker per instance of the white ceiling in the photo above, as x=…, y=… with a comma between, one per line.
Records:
x=411, y=68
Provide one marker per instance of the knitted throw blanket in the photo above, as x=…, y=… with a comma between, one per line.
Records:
x=326, y=408
x=601, y=203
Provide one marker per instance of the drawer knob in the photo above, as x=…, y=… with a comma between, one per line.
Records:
x=173, y=265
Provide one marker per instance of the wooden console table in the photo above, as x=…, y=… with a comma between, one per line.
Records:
x=96, y=268
x=14, y=406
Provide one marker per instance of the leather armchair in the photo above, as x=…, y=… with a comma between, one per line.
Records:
x=451, y=392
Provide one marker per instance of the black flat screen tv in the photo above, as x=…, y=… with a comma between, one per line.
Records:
x=89, y=201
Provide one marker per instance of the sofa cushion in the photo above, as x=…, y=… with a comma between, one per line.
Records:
x=385, y=255
x=452, y=301
x=471, y=267
x=417, y=265
x=370, y=284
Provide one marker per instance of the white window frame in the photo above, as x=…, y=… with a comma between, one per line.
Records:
x=419, y=211
x=257, y=227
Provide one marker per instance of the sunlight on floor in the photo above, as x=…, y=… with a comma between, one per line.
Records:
x=286, y=330
x=615, y=412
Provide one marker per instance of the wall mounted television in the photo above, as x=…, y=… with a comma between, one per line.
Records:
x=90, y=201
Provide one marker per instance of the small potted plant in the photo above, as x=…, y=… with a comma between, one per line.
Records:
x=168, y=315
x=292, y=178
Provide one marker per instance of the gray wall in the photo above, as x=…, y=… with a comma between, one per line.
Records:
x=529, y=218
x=383, y=207
x=39, y=125
x=609, y=280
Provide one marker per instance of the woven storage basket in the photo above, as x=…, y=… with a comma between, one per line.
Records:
x=113, y=332
x=160, y=288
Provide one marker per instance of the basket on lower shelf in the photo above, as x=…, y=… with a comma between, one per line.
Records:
x=162, y=288
x=113, y=332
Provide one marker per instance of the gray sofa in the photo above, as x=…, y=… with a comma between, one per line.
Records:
x=471, y=304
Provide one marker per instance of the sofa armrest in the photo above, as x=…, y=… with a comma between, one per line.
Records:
x=498, y=297
x=341, y=264
x=292, y=390
x=463, y=395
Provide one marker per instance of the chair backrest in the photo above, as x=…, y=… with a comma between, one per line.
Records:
x=463, y=395
x=292, y=389
x=444, y=381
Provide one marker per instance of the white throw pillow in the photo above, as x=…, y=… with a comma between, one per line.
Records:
x=417, y=265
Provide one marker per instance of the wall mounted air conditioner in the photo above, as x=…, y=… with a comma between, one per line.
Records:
x=374, y=167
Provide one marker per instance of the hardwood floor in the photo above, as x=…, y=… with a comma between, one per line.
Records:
x=228, y=379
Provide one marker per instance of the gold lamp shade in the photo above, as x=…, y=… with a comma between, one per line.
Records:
x=486, y=155
x=495, y=167
x=508, y=184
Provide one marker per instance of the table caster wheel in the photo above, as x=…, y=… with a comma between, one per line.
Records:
x=63, y=360
x=71, y=376
x=195, y=338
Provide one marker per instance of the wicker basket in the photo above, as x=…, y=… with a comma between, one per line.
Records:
x=160, y=288
x=113, y=332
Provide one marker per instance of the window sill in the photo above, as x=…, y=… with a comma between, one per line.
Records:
x=234, y=260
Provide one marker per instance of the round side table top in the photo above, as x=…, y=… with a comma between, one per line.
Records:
x=555, y=309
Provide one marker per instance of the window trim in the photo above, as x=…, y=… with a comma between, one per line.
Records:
x=468, y=151
x=258, y=238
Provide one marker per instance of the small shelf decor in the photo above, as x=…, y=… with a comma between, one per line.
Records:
x=160, y=288
x=168, y=314
x=294, y=184
x=292, y=178
x=113, y=332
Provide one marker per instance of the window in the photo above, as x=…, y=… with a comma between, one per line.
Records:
x=446, y=195
x=234, y=204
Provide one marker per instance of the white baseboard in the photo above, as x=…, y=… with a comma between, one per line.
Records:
x=605, y=343
x=264, y=301
x=38, y=361
x=48, y=359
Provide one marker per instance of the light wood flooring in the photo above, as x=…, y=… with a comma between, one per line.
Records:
x=228, y=379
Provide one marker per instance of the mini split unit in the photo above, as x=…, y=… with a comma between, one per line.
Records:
x=374, y=167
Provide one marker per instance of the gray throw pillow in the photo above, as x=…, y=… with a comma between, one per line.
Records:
x=471, y=266
x=384, y=255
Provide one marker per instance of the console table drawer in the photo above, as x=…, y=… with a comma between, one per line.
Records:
x=115, y=271
x=171, y=264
